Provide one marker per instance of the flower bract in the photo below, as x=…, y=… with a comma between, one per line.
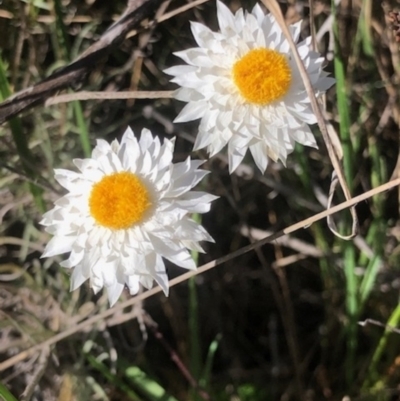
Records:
x=126, y=209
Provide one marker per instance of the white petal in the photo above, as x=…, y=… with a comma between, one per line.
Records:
x=192, y=111
x=114, y=291
x=259, y=152
x=304, y=136
x=196, y=202
x=133, y=284
x=79, y=275
x=146, y=139
x=226, y=20
x=146, y=281
x=58, y=245
x=236, y=155
x=77, y=254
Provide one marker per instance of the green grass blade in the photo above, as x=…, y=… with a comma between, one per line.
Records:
x=194, y=329
x=320, y=239
x=343, y=109
x=113, y=379
x=195, y=345
x=64, y=50
x=61, y=31
x=152, y=390
x=372, y=374
x=83, y=129
x=364, y=27
x=352, y=304
x=212, y=349
x=351, y=309
x=368, y=279
x=5, y=395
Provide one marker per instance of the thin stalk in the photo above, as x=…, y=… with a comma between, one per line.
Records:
x=194, y=334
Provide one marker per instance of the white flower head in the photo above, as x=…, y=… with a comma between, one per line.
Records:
x=125, y=211
x=244, y=84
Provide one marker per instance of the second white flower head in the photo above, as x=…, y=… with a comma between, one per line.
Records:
x=246, y=87
x=127, y=209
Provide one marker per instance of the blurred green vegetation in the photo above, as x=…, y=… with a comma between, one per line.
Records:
x=281, y=323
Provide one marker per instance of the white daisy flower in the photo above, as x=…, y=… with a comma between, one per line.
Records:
x=125, y=210
x=244, y=84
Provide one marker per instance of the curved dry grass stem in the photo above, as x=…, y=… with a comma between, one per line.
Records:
x=180, y=10
x=273, y=6
x=216, y=262
x=168, y=15
x=87, y=95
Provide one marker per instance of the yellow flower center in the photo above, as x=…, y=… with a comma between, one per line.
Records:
x=262, y=76
x=118, y=201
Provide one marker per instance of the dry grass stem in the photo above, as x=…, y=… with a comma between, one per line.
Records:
x=85, y=95
x=170, y=14
x=273, y=6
